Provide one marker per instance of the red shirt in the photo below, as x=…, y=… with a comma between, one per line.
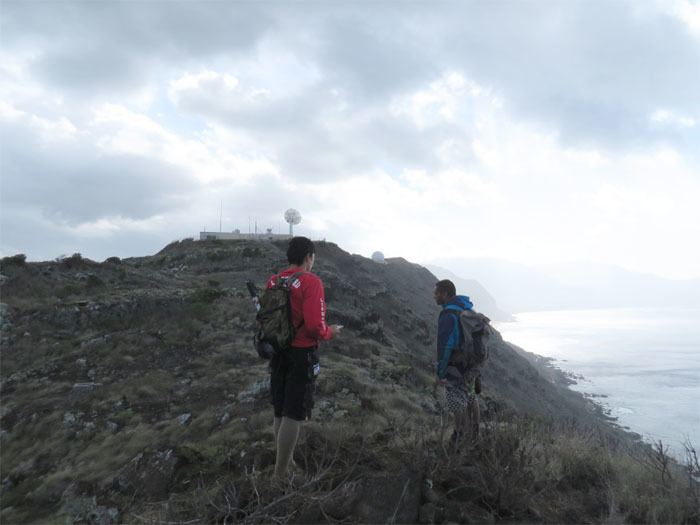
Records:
x=308, y=305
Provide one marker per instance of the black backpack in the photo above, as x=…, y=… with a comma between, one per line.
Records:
x=276, y=330
x=475, y=333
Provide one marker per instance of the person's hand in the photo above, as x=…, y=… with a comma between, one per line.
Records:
x=335, y=329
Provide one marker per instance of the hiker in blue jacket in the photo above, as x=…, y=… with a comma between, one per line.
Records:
x=453, y=375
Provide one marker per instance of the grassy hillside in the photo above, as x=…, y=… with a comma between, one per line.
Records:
x=131, y=393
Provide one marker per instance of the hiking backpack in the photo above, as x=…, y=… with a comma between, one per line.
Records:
x=475, y=333
x=276, y=330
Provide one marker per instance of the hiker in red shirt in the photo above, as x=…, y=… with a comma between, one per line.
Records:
x=294, y=369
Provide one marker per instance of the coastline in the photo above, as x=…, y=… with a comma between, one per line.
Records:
x=566, y=379
x=643, y=359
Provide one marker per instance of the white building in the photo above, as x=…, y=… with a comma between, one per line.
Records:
x=237, y=235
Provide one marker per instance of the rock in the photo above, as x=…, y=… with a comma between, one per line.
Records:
x=121, y=404
x=18, y=377
x=339, y=414
x=69, y=418
x=95, y=341
x=83, y=389
x=428, y=492
x=148, y=474
x=23, y=470
x=91, y=374
x=254, y=390
x=112, y=426
x=82, y=362
x=184, y=419
x=224, y=418
x=103, y=515
x=84, y=509
x=4, y=317
x=6, y=485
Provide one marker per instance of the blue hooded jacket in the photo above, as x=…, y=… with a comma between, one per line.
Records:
x=449, y=331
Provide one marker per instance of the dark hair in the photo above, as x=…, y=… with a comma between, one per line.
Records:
x=447, y=287
x=299, y=248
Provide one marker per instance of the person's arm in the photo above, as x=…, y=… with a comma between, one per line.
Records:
x=314, y=310
x=447, y=342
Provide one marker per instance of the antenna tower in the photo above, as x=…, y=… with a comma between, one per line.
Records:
x=293, y=217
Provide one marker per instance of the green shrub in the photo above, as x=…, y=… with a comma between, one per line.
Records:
x=113, y=260
x=218, y=255
x=206, y=295
x=250, y=251
x=653, y=489
x=15, y=260
x=584, y=465
x=68, y=290
x=123, y=417
x=74, y=261
x=93, y=281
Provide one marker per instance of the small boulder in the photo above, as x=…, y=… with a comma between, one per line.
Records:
x=148, y=474
x=69, y=418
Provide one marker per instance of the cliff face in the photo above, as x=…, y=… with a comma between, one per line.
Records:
x=121, y=380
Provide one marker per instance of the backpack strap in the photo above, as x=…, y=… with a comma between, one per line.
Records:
x=289, y=280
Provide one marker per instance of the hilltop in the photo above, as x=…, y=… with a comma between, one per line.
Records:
x=131, y=392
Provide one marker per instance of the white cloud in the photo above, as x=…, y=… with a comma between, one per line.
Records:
x=688, y=11
x=665, y=118
x=464, y=128
x=109, y=226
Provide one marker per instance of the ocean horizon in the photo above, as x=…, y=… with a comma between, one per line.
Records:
x=641, y=364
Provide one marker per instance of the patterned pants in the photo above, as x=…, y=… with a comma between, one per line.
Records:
x=458, y=394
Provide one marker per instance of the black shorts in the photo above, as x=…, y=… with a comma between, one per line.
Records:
x=293, y=382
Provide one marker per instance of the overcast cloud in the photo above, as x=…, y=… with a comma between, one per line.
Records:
x=532, y=131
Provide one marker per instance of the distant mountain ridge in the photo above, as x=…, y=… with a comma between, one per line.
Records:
x=520, y=288
x=482, y=299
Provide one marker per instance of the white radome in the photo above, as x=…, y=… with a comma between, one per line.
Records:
x=378, y=257
x=292, y=216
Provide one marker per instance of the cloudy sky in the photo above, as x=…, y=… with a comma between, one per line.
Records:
x=532, y=131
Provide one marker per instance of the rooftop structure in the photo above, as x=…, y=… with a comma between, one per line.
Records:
x=237, y=235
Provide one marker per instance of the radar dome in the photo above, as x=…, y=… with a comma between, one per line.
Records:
x=293, y=217
x=378, y=257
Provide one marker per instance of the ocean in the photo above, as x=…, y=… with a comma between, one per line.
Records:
x=643, y=365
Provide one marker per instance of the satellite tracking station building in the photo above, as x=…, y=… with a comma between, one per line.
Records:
x=291, y=216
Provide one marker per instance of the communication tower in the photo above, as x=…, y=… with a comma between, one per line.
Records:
x=293, y=217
